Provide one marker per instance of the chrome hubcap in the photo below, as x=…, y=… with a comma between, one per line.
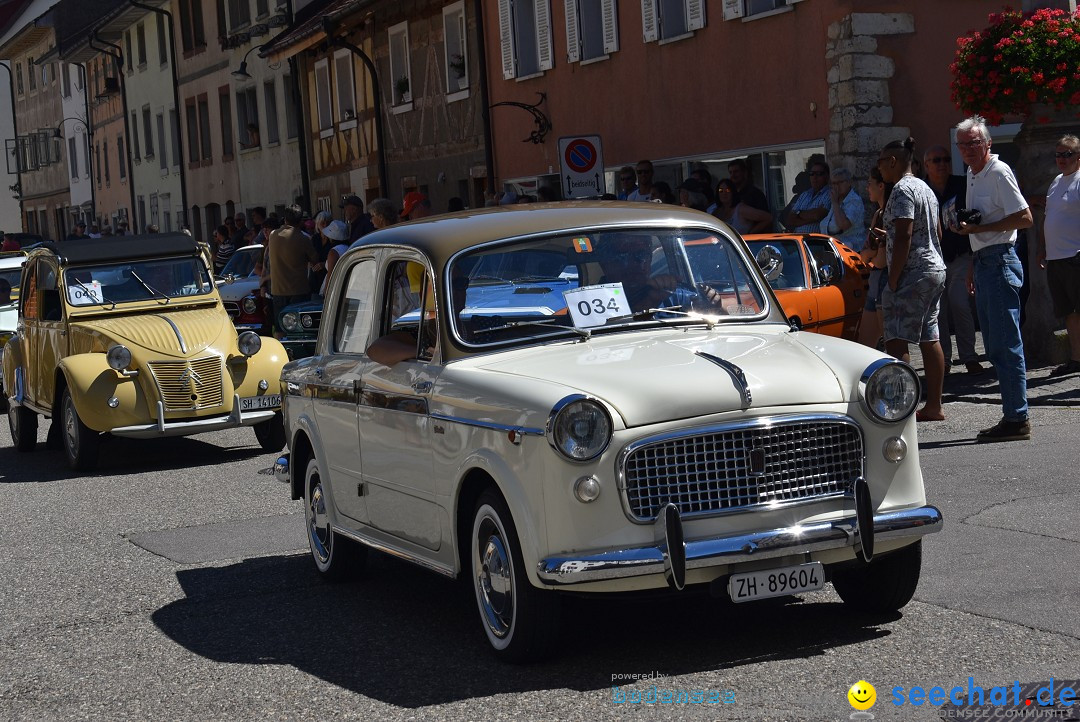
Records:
x=495, y=581
x=70, y=431
x=319, y=524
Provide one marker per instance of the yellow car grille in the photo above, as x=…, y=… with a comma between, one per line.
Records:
x=189, y=385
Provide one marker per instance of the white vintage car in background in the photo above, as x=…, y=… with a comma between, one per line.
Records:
x=597, y=397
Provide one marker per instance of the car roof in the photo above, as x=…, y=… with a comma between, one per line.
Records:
x=123, y=248
x=12, y=259
x=440, y=237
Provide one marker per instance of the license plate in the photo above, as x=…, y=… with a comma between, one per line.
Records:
x=776, y=582
x=253, y=403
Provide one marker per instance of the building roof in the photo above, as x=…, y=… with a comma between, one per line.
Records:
x=308, y=29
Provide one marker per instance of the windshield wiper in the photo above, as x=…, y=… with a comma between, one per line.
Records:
x=649, y=314
x=90, y=295
x=553, y=323
x=150, y=288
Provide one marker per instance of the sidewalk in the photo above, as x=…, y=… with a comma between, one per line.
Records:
x=983, y=388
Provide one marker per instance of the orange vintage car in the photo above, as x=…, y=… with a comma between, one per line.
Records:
x=820, y=283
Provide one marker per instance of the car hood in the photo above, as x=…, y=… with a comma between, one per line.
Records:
x=666, y=377
x=239, y=288
x=178, y=333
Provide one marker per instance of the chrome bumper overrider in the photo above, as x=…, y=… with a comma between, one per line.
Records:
x=281, y=469
x=672, y=556
x=161, y=427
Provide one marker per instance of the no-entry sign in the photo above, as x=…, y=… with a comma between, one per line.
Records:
x=582, y=163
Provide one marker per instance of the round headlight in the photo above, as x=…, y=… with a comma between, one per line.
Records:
x=305, y=321
x=118, y=357
x=290, y=321
x=249, y=305
x=579, y=428
x=890, y=390
x=249, y=343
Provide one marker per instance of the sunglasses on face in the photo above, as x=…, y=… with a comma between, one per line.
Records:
x=1065, y=154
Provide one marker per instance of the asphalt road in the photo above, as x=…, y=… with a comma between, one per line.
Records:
x=174, y=585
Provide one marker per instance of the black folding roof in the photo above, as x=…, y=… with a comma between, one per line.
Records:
x=121, y=248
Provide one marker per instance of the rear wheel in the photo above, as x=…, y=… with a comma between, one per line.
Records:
x=884, y=585
x=271, y=434
x=23, y=424
x=80, y=441
x=518, y=619
x=336, y=557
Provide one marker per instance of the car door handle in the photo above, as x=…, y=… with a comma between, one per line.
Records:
x=421, y=387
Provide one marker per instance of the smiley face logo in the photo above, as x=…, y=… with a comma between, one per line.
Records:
x=862, y=695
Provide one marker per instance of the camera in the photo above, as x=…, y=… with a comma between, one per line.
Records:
x=970, y=216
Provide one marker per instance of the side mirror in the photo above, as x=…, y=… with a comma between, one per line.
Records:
x=770, y=261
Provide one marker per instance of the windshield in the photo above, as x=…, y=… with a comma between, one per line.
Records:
x=243, y=261
x=159, y=279
x=9, y=285
x=597, y=281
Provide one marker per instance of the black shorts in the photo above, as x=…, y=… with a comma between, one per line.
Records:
x=1063, y=278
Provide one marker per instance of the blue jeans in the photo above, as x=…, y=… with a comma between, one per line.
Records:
x=998, y=278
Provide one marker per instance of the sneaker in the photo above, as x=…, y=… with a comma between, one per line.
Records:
x=1006, y=431
x=1065, y=369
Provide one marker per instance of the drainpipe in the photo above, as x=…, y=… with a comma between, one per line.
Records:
x=176, y=94
x=328, y=28
x=118, y=56
x=15, y=130
x=298, y=102
x=485, y=110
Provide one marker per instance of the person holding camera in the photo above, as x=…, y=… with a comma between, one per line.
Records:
x=916, y=271
x=995, y=211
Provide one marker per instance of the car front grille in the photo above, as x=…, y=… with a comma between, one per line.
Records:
x=739, y=467
x=232, y=308
x=189, y=385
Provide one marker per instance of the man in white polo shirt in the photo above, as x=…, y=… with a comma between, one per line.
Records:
x=997, y=274
x=1059, y=246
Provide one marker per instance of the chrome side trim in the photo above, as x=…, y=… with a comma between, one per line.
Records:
x=394, y=551
x=179, y=336
x=523, y=430
x=736, y=374
x=723, y=550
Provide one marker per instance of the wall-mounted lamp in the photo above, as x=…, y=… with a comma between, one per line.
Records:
x=241, y=73
x=58, y=133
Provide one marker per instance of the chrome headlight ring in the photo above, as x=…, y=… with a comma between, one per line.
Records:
x=889, y=390
x=290, y=321
x=249, y=304
x=579, y=428
x=248, y=343
x=118, y=357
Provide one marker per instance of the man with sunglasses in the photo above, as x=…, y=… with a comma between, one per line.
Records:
x=955, y=316
x=1059, y=247
x=627, y=182
x=813, y=204
x=644, y=172
x=996, y=272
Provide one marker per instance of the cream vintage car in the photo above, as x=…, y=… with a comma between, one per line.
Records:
x=127, y=336
x=597, y=397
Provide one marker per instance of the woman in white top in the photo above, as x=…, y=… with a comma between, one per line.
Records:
x=335, y=231
x=742, y=218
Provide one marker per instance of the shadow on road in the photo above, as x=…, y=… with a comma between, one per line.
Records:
x=410, y=638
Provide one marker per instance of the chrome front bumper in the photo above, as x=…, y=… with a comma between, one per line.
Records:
x=673, y=556
x=161, y=427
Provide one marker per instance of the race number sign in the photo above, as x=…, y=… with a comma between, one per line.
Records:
x=85, y=294
x=594, y=305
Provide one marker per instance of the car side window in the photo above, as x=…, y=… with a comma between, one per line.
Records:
x=410, y=300
x=823, y=254
x=30, y=298
x=355, y=314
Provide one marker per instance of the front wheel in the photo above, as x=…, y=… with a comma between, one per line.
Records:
x=518, y=619
x=271, y=433
x=23, y=424
x=336, y=557
x=80, y=441
x=884, y=585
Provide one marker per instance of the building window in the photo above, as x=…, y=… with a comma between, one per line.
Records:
x=192, y=34
x=105, y=157
x=154, y=208
x=270, y=95
x=79, y=84
x=192, y=112
x=455, y=47
x=225, y=106
x=97, y=162
x=745, y=8
x=399, y=64
x=121, y=160
x=140, y=217
x=204, y=129
x=592, y=29
x=148, y=132
x=30, y=72
x=85, y=142
x=174, y=131
x=162, y=40
x=322, y=94
x=239, y=13
x=292, y=127
x=163, y=157
x=127, y=51
x=19, y=78
x=65, y=80
x=262, y=8
x=346, y=93
x=525, y=36
x=247, y=118
x=140, y=43
x=73, y=158
x=135, y=134
x=667, y=19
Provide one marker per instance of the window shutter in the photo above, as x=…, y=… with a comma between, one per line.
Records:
x=648, y=20
x=506, y=37
x=543, y=34
x=611, y=25
x=573, y=47
x=695, y=14
x=733, y=9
